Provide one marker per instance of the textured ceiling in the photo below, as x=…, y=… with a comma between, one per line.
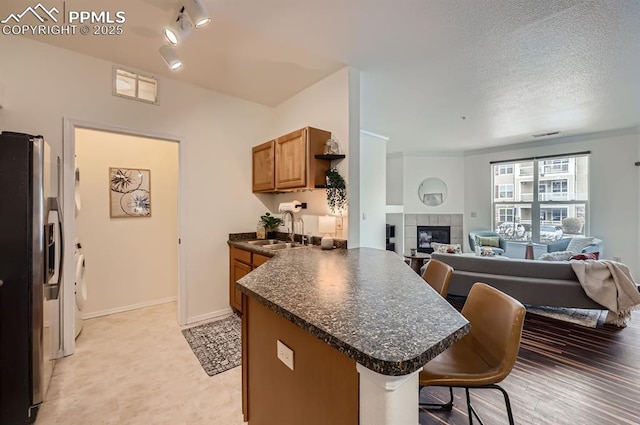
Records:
x=511, y=68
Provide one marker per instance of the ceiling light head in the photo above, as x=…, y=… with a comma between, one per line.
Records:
x=178, y=30
x=170, y=57
x=197, y=12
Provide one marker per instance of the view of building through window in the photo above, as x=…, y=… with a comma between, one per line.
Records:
x=541, y=200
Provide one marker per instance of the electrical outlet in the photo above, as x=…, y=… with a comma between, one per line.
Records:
x=339, y=222
x=285, y=354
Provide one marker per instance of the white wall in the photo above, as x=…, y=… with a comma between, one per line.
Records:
x=44, y=84
x=613, y=212
x=129, y=261
x=373, y=159
x=395, y=179
x=448, y=168
x=325, y=105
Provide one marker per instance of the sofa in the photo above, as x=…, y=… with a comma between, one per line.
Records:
x=550, y=283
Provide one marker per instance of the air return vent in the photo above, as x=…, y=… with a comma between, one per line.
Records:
x=553, y=133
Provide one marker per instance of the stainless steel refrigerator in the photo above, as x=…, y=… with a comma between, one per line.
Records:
x=30, y=274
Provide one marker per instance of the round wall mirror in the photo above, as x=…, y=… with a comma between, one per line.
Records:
x=432, y=191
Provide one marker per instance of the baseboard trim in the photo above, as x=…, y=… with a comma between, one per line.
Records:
x=208, y=316
x=128, y=308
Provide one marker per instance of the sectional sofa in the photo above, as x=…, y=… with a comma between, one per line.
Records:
x=550, y=283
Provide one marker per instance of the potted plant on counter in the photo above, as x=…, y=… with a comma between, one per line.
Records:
x=271, y=224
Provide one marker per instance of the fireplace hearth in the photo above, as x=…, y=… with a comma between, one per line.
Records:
x=427, y=235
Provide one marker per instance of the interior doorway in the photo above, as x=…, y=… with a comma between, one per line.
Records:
x=124, y=220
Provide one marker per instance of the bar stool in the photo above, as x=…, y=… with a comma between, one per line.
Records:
x=438, y=275
x=483, y=357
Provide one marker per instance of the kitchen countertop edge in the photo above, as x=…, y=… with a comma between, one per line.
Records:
x=384, y=367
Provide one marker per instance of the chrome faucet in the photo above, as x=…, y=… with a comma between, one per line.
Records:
x=291, y=230
x=303, y=237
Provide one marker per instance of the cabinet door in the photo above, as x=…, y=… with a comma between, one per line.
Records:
x=239, y=271
x=291, y=160
x=264, y=167
x=259, y=260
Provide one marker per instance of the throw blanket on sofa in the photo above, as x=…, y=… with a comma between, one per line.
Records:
x=609, y=283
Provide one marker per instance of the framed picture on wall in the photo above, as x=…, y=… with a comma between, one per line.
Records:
x=129, y=192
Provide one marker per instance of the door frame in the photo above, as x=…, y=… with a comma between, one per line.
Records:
x=68, y=191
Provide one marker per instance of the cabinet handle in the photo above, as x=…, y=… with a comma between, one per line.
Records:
x=1, y=282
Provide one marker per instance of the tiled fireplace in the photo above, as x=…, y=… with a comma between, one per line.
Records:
x=433, y=228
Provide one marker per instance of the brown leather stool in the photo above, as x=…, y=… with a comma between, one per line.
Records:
x=438, y=275
x=483, y=357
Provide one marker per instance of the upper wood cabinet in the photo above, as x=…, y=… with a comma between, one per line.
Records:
x=264, y=167
x=294, y=165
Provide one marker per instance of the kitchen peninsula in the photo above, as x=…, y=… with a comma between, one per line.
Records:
x=339, y=337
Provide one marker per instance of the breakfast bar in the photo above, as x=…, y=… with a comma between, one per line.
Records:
x=339, y=337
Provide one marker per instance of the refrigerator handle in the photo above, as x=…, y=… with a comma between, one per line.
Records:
x=56, y=258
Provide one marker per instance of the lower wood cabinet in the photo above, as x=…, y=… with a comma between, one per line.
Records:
x=241, y=262
x=321, y=389
x=239, y=271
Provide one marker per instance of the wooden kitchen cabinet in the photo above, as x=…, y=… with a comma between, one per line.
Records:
x=239, y=266
x=241, y=262
x=295, y=165
x=264, y=167
x=259, y=260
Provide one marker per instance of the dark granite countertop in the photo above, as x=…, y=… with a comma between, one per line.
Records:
x=364, y=302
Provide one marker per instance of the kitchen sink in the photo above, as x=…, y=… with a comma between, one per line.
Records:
x=265, y=242
x=285, y=245
x=274, y=244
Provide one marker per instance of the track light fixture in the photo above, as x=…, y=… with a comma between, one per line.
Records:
x=197, y=12
x=192, y=11
x=178, y=30
x=170, y=57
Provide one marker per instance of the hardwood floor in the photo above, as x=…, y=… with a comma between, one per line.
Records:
x=565, y=374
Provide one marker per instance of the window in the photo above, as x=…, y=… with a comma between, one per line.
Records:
x=552, y=215
x=551, y=200
x=559, y=186
x=133, y=85
x=505, y=169
x=505, y=214
x=555, y=166
x=504, y=191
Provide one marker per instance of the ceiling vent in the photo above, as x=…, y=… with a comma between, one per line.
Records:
x=553, y=133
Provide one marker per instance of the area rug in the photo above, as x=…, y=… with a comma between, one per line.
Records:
x=217, y=345
x=582, y=317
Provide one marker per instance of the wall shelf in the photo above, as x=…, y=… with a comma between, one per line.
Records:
x=331, y=157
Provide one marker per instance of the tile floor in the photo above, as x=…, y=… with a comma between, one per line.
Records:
x=136, y=368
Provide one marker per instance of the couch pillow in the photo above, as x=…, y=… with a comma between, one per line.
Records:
x=488, y=241
x=586, y=256
x=444, y=248
x=556, y=256
x=578, y=244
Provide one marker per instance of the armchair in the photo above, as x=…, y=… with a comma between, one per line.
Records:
x=562, y=244
x=498, y=250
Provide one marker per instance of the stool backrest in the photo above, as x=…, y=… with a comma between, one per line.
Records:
x=438, y=275
x=496, y=325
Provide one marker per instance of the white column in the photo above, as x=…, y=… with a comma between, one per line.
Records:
x=388, y=400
